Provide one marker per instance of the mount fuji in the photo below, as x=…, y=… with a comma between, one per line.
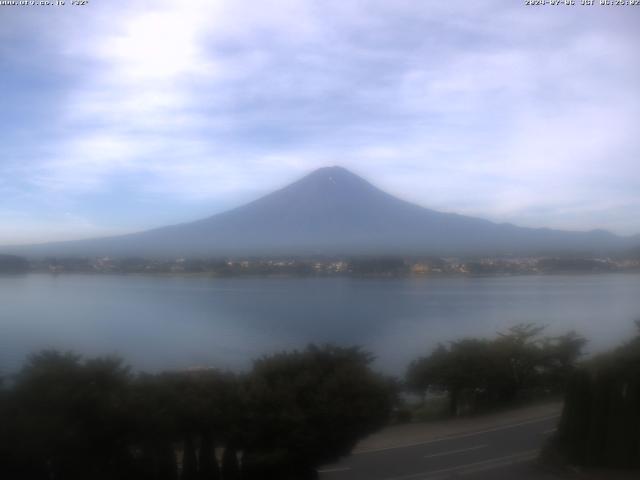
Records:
x=335, y=212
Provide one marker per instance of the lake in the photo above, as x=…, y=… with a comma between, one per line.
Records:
x=177, y=322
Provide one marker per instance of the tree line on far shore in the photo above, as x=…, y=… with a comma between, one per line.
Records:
x=321, y=265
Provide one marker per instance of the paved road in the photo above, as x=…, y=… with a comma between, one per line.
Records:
x=504, y=451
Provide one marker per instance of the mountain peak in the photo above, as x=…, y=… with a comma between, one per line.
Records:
x=329, y=185
x=333, y=171
x=332, y=177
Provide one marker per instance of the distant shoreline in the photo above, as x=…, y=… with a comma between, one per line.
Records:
x=204, y=275
x=358, y=267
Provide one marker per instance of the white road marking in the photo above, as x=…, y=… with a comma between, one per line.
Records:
x=334, y=470
x=547, y=432
x=458, y=436
x=474, y=467
x=453, y=452
x=500, y=462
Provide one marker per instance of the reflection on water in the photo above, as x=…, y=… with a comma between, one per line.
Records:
x=167, y=322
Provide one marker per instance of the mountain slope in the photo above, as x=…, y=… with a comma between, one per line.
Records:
x=333, y=211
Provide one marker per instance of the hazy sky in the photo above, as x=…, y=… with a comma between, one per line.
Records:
x=123, y=115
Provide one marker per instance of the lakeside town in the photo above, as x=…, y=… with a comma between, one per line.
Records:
x=326, y=266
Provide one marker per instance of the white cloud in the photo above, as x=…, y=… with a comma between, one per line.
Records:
x=481, y=109
x=60, y=227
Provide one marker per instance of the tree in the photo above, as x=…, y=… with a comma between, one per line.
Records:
x=480, y=372
x=191, y=411
x=463, y=367
x=230, y=467
x=429, y=373
x=560, y=356
x=310, y=407
x=600, y=423
x=13, y=264
x=517, y=359
x=68, y=418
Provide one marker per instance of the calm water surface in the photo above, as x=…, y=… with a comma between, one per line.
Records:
x=175, y=322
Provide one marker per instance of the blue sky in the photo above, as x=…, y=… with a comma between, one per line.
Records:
x=120, y=116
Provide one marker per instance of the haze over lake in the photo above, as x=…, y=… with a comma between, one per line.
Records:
x=178, y=322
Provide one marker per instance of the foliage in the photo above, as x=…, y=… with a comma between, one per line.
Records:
x=600, y=424
x=65, y=417
x=478, y=373
x=13, y=264
x=377, y=266
x=311, y=407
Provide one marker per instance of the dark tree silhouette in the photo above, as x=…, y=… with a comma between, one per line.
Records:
x=310, y=407
x=600, y=424
x=67, y=418
x=207, y=461
x=230, y=467
x=487, y=373
x=13, y=264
